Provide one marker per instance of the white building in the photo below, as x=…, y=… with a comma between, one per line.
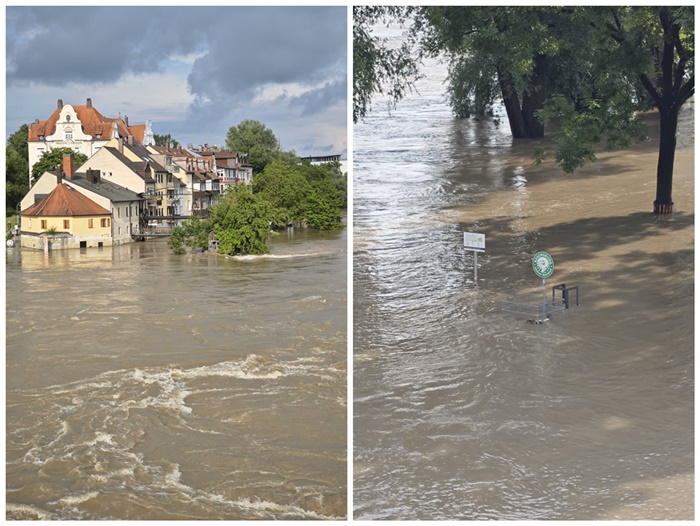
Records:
x=80, y=128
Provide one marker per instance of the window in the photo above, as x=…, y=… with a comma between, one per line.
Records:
x=43, y=224
x=119, y=211
x=66, y=224
x=104, y=222
x=120, y=230
x=91, y=223
x=69, y=135
x=67, y=118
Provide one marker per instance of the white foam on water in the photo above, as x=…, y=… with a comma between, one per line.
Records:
x=77, y=499
x=101, y=437
x=253, y=258
x=11, y=509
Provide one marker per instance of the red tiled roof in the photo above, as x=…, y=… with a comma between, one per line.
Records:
x=93, y=123
x=176, y=152
x=63, y=201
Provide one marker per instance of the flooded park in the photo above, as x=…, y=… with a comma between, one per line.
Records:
x=465, y=411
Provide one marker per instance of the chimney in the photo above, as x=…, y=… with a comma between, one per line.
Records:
x=126, y=120
x=59, y=176
x=68, y=165
x=89, y=104
x=130, y=140
x=120, y=142
x=60, y=104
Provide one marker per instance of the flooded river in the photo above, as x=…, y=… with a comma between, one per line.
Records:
x=145, y=385
x=464, y=411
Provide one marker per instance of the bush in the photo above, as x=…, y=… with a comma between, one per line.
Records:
x=193, y=233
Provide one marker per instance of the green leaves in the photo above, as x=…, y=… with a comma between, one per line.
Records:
x=378, y=68
x=241, y=222
x=256, y=140
x=54, y=158
x=16, y=168
x=303, y=193
x=192, y=233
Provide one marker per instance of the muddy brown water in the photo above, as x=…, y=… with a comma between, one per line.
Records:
x=144, y=385
x=464, y=411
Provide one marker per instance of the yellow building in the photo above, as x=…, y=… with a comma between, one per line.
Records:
x=73, y=220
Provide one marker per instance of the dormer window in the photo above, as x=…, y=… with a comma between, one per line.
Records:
x=67, y=118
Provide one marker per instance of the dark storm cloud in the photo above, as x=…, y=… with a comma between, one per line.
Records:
x=272, y=45
x=244, y=48
x=57, y=46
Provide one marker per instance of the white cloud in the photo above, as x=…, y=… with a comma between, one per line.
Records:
x=187, y=59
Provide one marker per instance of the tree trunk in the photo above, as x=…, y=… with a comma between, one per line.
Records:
x=667, y=151
x=534, y=100
x=510, y=100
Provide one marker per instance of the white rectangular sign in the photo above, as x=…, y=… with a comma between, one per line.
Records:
x=475, y=242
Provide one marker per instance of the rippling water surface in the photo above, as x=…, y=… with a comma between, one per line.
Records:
x=464, y=411
x=144, y=385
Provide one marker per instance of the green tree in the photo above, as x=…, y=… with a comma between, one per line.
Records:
x=378, y=68
x=193, y=233
x=322, y=211
x=647, y=47
x=498, y=52
x=286, y=189
x=18, y=141
x=256, y=140
x=590, y=69
x=53, y=159
x=166, y=141
x=241, y=222
x=16, y=169
x=328, y=196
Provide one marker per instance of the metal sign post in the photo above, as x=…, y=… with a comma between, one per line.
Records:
x=475, y=243
x=543, y=265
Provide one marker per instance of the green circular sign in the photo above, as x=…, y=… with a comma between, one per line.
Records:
x=543, y=265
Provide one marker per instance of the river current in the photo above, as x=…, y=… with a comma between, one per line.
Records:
x=145, y=385
x=465, y=411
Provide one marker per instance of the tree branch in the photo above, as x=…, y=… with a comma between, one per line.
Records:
x=651, y=89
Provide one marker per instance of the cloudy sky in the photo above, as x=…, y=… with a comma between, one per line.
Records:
x=193, y=71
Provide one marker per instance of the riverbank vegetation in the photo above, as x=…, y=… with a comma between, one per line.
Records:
x=286, y=192
x=16, y=169
x=589, y=71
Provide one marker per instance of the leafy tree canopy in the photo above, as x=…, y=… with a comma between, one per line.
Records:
x=286, y=189
x=16, y=169
x=588, y=69
x=255, y=139
x=165, y=141
x=192, y=233
x=53, y=159
x=241, y=222
x=18, y=141
x=378, y=68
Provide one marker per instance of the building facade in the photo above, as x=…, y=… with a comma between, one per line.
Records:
x=65, y=218
x=83, y=129
x=127, y=210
